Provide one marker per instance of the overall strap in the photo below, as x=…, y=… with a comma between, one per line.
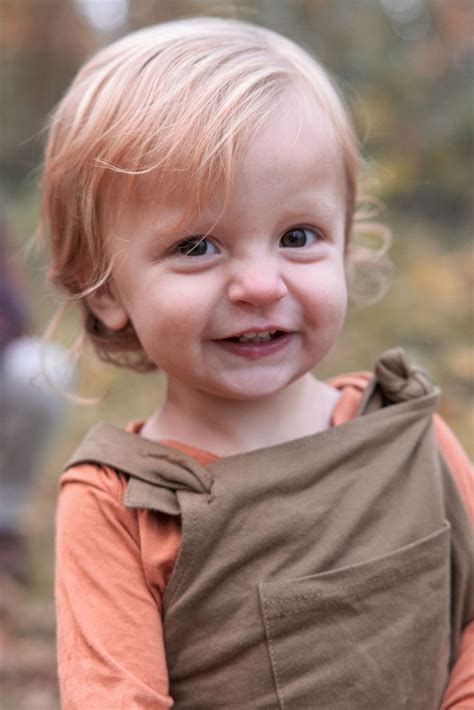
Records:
x=156, y=471
x=396, y=380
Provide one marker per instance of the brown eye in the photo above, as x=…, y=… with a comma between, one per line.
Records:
x=195, y=246
x=298, y=237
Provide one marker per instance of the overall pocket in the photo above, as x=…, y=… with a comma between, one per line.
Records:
x=370, y=636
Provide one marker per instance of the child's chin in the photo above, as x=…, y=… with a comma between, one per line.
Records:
x=253, y=390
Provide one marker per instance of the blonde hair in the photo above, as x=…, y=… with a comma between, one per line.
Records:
x=178, y=101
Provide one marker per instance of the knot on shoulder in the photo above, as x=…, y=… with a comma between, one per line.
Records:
x=399, y=380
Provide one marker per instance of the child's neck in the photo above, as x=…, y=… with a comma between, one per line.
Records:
x=226, y=427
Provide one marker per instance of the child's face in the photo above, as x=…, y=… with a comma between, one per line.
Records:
x=273, y=261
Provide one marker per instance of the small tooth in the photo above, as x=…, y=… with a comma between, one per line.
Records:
x=256, y=337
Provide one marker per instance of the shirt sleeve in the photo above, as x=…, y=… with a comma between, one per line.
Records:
x=110, y=636
x=459, y=694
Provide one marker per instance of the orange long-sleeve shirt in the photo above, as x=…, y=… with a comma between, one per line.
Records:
x=113, y=564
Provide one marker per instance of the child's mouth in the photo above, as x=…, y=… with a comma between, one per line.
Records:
x=253, y=345
x=254, y=337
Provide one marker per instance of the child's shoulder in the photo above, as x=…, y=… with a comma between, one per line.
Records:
x=96, y=478
x=458, y=462
x=99, y=477
x=354, y=380
x=351, y=387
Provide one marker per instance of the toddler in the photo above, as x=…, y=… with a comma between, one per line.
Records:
x=264, y=539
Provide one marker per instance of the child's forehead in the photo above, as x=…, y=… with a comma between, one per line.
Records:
x=299, y=130
x=297, y=122
x=151, y=196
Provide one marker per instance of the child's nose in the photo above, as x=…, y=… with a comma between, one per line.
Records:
x=258, y=283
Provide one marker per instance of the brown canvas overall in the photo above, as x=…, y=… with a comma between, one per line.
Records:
x=331, y=572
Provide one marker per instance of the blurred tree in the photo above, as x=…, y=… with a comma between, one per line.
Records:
x=149, y=12
x=42, y=45
x=405, y=67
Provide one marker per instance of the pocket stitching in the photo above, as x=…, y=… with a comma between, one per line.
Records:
x=271, y=650
x=361, y=583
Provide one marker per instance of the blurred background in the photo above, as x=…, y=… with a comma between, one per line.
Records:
x=405, y=67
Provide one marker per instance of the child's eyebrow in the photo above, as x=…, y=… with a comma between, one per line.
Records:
x=314, y=201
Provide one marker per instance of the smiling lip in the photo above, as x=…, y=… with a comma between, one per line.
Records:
x=253, y=350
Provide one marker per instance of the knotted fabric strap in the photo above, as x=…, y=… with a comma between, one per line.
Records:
x=147, y=462
x=396, y=380
x=399, y=380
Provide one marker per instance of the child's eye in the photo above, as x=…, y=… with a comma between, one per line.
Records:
x=195, y=246
x=298, y=237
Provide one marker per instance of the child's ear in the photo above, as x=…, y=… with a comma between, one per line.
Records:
x=107, y=306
